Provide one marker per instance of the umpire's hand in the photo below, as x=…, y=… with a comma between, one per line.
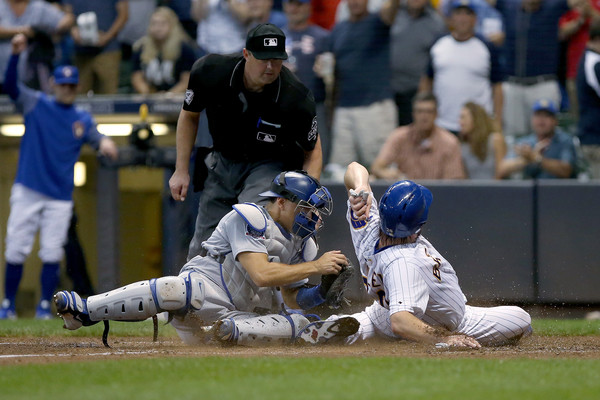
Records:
x=179, y=183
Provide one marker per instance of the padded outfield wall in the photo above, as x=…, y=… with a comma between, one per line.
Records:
x=510, y=241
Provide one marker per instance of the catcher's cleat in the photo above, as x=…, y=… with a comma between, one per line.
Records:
x=328, y=331
x=72, y=309
x=224, y=331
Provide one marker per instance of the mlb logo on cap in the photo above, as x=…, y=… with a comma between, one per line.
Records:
x=266, y=41
x=66, y=75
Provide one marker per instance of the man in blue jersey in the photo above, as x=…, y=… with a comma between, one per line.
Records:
x=588, y=93
x=530, y=57
x=365, y=112
x=41, y=197
x=305, y=42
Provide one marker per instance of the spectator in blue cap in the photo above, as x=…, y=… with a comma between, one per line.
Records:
x=547, y=153
x=530, y=56
x=489, y=20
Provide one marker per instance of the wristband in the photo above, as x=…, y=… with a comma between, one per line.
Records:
x=309, y=297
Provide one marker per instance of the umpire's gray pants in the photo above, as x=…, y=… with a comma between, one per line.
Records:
x=228, y=183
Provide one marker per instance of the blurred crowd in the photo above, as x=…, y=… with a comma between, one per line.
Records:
x=417, y=89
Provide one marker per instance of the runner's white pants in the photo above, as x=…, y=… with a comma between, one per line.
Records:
x=491, y=326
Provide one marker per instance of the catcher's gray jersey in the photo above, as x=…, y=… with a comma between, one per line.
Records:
x=412, y=277
x=248, y=228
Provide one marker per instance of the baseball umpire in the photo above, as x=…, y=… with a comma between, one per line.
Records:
x=41, y=197
x=262, y=121
x=257, y=259
x=416, y=290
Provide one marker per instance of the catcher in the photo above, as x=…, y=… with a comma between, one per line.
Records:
x=254, y=265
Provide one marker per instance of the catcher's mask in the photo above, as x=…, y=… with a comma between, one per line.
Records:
x=312, y=200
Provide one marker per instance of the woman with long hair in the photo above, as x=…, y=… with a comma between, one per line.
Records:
x=163, y=58
x=483, y=147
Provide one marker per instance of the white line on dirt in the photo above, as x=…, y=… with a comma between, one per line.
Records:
x=70, y=355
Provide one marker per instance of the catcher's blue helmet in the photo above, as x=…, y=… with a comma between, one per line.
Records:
x=403, y=208
x=313, y=198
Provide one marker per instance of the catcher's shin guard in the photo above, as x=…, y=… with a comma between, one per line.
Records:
x=141, y=300
x=271, y=328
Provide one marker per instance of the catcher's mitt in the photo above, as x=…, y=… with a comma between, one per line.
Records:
x=336, y=286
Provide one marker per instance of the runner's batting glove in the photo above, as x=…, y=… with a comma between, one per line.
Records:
x=362, y=193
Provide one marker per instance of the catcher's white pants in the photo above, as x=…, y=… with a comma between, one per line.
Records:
x=31, y=211
x=491, y=326
x=253, y=328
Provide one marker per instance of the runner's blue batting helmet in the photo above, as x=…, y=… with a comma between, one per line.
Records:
x=313, y=199
x=403, y=208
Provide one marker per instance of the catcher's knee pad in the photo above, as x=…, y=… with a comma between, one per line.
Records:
x=195, y=290
x=144, y=299
x=271, y=328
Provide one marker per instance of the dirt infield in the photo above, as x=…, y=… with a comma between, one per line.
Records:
x=48, y=350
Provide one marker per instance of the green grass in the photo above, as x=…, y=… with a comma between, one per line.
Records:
x=32, y=327
x=310, y=378
x=566, y=327
x=261, y=378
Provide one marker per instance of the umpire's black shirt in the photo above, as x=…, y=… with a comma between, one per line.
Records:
x=277, y=124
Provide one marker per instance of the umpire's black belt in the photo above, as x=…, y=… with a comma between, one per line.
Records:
x=531, y=80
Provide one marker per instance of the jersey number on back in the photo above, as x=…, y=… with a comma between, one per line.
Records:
x=436, y=266
x=374, y=284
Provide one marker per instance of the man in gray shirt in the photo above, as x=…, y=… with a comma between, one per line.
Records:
x=414, y=30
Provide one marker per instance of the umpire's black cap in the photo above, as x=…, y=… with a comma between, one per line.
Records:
x=266, y=41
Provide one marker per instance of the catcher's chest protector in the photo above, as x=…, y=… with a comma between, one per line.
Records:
x=287, y=249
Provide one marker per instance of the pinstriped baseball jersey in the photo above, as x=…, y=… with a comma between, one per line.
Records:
x=412, y=277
